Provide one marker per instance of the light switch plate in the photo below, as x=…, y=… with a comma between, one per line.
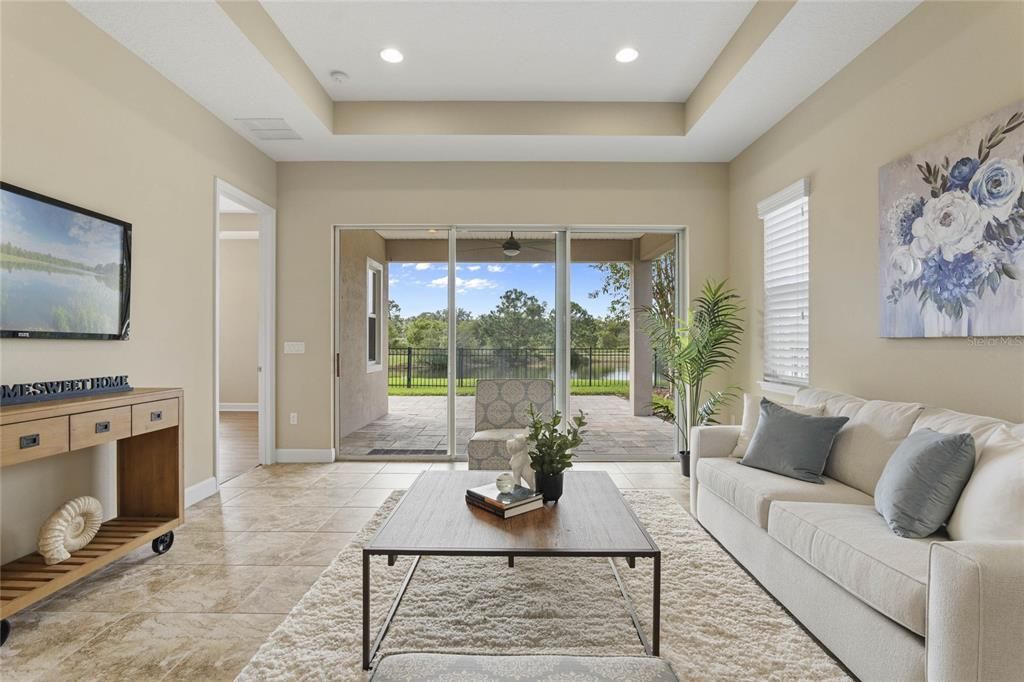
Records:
x=294, y=347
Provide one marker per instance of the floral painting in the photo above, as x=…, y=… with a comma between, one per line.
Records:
x=952, y=233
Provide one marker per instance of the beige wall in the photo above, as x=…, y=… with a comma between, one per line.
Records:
x=313, y=196
x=364, y=393
x=945, y=65
x=239, y=314
x=86, y=121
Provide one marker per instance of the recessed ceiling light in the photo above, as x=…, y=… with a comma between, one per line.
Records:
x=391, y=55
x=626, y=55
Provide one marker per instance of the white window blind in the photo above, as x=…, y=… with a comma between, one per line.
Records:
x=786, y=286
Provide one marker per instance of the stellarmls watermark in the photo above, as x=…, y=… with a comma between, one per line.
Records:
x=996, y=341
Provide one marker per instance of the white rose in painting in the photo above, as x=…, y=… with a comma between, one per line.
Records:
x=951, y=224
x=904, y=265
x=996, y=185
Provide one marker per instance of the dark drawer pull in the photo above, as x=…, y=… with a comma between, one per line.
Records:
x=102, y=427
x=156, y=416
x=29, y=441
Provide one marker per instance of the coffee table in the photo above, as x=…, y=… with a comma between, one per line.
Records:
x=590, y=520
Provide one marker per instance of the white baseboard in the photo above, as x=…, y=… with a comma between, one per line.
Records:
x=200, y=491
x=239, y=407
x=305, y=455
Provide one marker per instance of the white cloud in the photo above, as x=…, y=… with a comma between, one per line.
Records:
x=408, y=265
x=464, y=285
x=392, y=281
x=534, y=265
x=472, y=268
x=423, y=266
x=495, y=268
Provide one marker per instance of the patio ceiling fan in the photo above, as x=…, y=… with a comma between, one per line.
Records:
x=513, y=247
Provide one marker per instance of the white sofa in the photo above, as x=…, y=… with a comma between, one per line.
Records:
x=889, y=608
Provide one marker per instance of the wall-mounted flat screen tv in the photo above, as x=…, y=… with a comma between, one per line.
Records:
x=65, y=271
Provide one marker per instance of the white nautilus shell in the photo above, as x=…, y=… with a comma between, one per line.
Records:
x=70, y=528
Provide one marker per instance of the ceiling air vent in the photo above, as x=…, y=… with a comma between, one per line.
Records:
x=269, y=128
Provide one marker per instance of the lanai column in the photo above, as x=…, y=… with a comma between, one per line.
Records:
x=641, y=371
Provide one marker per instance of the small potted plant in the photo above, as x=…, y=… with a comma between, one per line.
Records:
x=550, y=453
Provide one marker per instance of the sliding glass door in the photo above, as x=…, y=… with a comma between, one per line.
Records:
x=435, y=310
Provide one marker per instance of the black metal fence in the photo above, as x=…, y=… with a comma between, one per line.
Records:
x=411, y=367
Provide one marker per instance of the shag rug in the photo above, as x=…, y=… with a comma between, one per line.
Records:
x=716, y=622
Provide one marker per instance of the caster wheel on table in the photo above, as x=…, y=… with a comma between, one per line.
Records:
x=5, y=630
x=163, y=543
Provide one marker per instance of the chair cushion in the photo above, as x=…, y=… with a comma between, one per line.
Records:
x=449, y=667
x=492, y=449
x=752, y=491
x=852, y=546
x=991, y=506
x=505, y=403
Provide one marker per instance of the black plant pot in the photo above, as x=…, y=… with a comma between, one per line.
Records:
x=549, y=485
x=684, y=460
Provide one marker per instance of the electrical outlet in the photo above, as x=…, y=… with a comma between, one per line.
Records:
x=293, y=418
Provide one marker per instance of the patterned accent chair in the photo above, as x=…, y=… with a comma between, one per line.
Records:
x=502, y=418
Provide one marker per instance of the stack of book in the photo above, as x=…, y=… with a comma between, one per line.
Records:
x=506, y=505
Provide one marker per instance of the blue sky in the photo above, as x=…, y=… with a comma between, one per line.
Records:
x=46, y=228
x=422, y=287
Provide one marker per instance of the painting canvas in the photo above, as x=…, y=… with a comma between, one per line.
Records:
x=951, y=243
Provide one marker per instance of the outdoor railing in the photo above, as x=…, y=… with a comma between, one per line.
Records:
x=411, y=367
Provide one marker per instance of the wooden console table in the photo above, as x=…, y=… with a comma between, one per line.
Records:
x=148, y=426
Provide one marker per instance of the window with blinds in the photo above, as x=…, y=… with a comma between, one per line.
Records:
x=786, y=286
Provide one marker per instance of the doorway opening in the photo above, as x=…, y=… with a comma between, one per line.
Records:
x=243, y=352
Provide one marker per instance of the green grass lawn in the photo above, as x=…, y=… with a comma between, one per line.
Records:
x=469, y=388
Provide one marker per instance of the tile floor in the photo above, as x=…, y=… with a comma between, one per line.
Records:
x=240, y=563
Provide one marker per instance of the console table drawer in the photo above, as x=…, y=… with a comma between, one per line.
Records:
x=154, y=416
x=101, y=426
x=26, y=441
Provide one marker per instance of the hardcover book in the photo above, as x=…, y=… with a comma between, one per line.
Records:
x=490, y=494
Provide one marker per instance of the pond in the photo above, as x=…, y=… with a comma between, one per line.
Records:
x=43, y=297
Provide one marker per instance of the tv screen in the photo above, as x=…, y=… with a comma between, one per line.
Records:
x=65, y=271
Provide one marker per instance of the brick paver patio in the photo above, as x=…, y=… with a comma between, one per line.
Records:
x=419, y=423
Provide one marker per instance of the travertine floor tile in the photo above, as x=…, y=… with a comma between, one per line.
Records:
x=41, y=640
x=347, y=520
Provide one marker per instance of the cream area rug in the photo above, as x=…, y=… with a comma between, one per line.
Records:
x=717, y=623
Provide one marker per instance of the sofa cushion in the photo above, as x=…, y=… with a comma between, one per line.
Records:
x=991, y=506
x=752, y=415
x=948, y=421
x=450, y=667
x=752, y=491
x=851, y=545
x=834, y=404
x=865, y=444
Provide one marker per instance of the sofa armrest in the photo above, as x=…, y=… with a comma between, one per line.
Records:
x=709, y=441
x=975, y=628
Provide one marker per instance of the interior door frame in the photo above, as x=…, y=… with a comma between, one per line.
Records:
x=266, y=377
x=563, y=296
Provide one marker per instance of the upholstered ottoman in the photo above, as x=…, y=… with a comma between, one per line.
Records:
x=439, y=667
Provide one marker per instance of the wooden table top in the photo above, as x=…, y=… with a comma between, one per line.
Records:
x=590, y=519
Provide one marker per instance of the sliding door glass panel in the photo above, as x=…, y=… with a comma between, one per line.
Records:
x=619, y=279
x=505, y=302
x=394, y=351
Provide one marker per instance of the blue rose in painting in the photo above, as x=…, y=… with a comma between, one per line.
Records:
x=996, y=185
x=902, y=215
x=961, y=173
x=950, y=282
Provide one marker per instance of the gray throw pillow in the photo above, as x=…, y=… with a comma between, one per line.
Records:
x=792, y=444
x=922, y=481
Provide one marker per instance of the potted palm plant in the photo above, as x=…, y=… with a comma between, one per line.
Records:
x=692, y=351
x=551, y=451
